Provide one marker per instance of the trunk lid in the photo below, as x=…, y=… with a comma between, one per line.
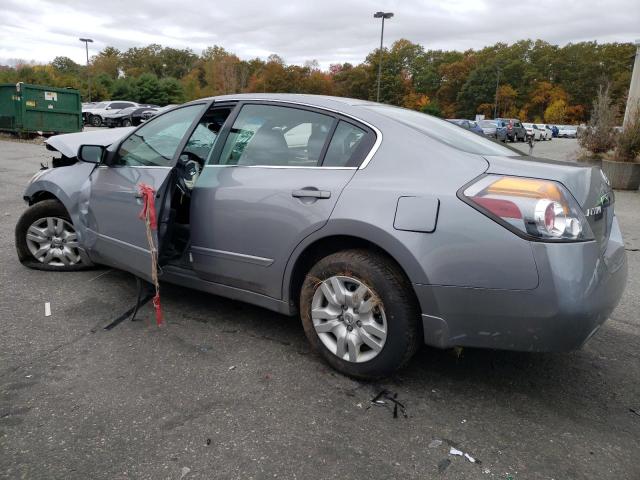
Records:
x=585, y=182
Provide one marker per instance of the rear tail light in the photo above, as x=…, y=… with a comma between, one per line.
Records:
x=532, y=208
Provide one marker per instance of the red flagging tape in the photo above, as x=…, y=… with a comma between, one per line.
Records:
x=148, y=215
x=148, y=205
x=158, y=308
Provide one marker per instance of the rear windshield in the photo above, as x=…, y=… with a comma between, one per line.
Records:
x=444, y=131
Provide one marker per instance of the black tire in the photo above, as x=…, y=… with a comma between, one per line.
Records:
x=388, y=283
x=95, y=120
x=46, y=208
x=126, y=122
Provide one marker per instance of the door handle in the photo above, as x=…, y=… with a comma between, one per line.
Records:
x=308, y=193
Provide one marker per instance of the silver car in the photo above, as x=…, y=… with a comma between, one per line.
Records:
x=383, y=228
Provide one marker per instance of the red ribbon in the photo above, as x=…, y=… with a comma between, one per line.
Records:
x=149, y=210
x=148, y=205
x=156, y=306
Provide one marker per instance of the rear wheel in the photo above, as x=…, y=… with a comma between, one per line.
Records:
x=359, y=313
x=46, y=238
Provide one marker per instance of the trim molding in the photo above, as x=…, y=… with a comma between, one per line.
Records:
x=237, y=257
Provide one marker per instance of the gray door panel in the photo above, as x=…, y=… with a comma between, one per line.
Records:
x=120, y=236
x=246, y=221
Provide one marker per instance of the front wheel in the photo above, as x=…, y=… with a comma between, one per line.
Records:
x=126, y=122
x=359, y=313
x=95, y=120
x=46, y=238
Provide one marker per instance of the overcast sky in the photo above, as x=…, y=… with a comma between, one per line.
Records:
x=329, y=31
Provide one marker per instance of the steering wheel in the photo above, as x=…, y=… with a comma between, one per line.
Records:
x=188, y=170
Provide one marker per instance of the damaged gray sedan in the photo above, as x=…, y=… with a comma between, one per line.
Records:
x=383, y=228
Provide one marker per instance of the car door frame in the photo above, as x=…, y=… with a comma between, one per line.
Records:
x=163, y=197
x=374, y=134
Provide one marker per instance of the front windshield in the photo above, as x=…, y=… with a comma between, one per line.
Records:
x=444, y=131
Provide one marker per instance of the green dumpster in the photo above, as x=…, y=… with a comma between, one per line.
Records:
x=26, y=108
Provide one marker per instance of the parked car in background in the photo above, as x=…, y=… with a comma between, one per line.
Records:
x=475, y=128
x=489, y=127
x=465, y=242
x=514, y=129
x=127, y=117
x=162, y=109
x=532, y=131
x=567, y=131
x=95, y=113
x=467, y=125
x=545, y=131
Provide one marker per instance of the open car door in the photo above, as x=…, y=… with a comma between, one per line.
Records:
x=116, y=236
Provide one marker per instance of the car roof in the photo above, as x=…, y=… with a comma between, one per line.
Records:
x=344, y=105
x=325, y=101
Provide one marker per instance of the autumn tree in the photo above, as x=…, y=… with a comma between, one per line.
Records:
x=108, y=61
x=556, y=113
x=507, y=96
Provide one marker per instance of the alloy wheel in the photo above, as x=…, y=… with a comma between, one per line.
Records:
x=349, y=319
x=53, y=241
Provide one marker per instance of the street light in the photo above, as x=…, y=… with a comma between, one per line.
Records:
x=383, y=16
x=495, y=105
x=86, y=45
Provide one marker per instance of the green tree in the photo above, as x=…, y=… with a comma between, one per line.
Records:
x=65, y=66
x=108, y=62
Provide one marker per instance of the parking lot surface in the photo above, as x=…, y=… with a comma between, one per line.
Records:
x=227, y=390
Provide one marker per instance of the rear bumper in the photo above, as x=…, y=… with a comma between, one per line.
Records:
x=579, y=287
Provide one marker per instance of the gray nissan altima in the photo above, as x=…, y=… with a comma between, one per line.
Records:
x=383, y=228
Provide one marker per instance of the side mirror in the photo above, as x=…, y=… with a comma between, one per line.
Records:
x=91, y=153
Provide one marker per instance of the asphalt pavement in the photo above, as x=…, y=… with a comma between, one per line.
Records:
x=227, y=390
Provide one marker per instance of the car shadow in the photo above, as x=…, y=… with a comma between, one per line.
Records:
x=567, y=383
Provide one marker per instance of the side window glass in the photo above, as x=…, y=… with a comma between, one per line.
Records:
x=276, y=136
x=344, y=145
x=156, y=142
x=203, y=138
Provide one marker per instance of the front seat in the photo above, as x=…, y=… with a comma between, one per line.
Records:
x=267, y=147
x=316, y=142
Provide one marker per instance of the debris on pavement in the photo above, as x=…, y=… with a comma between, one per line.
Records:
x=47, y=309
x=185, y=472
x=208, y=442
x=460, y=453
x=455, y=451
x=436, y=442
x=635, y=410
x=232, y=367
x=392, y=397
x=443, y=464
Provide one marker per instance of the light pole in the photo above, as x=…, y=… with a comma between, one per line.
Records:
x=495, y=106
x=86, y=46
x=383, y=16
x=633, y=101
